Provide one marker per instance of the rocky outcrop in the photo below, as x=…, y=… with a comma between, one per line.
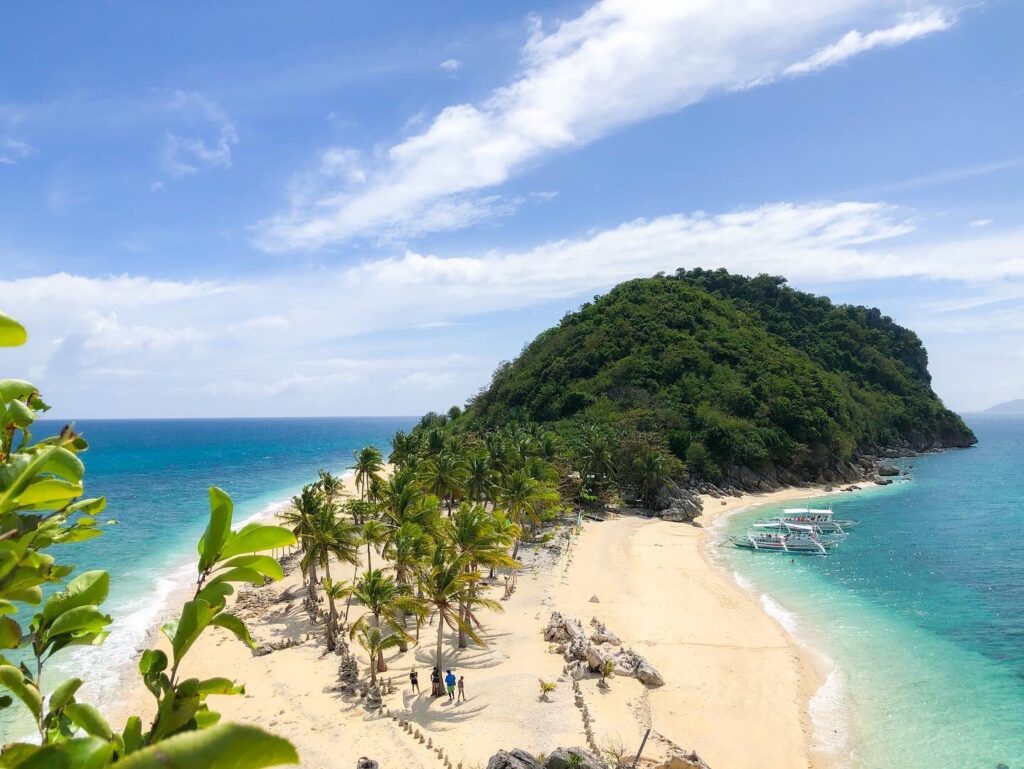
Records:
x=682, y=759
x=560, y=758
x=587, y=655
x=888, y=469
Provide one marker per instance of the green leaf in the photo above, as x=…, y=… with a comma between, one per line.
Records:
x=195, y=617
x=64, y=694
x=18, y=414
x=153, y=661
x=218, y=529
x=220, y=686
x=264, y=564
x=15, y=389
x=88, y=506
x=88, y=718
x=256, y=537
x=10, y=633
x=6, y=607
x=238, y=574
x=132, y=735
x=89, y=588
x=48, y=491
x=12, y=333
x=205, y=718
x=224, y=746
x=22, y=756
x=80, y=620
x=216, y=594
x=15, y=681
x=236, y=626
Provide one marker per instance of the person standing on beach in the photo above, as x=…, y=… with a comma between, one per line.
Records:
x=462, y=690
x=449, y=681
x=414, y=681
x=435, y=682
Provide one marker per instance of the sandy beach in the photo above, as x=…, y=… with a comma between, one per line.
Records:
x=737, y=686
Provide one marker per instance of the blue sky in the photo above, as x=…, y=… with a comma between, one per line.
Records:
x=322, y=208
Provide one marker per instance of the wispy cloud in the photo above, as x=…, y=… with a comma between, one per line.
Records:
x=450, y=65
x=853, y=43
x=14, y=150
x=976, y=223
x=620, y=62
x=186, y=155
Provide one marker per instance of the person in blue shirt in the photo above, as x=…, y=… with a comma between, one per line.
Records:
x=449, y=681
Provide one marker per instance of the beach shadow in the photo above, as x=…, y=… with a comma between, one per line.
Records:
x=431, y=713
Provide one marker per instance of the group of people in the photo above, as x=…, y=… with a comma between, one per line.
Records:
x=451, y=684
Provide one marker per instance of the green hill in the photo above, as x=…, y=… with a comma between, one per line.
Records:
x=731, y=375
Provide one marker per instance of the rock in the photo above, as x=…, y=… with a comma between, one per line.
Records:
x=367, y=763
x=602, y=635
x=883, y=481
x=562, y=758
x=561, y=629
x=629, y=663
x=515, y=759
x=888, y=469
x=596, y=657
x=682, y=759
x=595, y=599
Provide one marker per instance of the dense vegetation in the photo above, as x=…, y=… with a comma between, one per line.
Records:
x=45, y=608
x=709, y=373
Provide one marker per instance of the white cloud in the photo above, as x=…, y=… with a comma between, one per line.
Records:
x=450, y=65
x=237, y=347
x=620, y=62
x=186, y=155
x=14, y=150
x=854, y=42
x=976, y=223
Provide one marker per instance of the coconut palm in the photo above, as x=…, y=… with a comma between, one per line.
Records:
x=479, y=477
x=331, y=486
x=329, y=535
x=404, y=501
x=406, y=547
x=473, y=537
x=522, y=497
x=445, y=585
x=445, y=477
x=403, y=448
x=374, y=534
x=336, y=591
x=300, y=518
x=595, y=452
x=375, y=643
x=382, y=596
x=651, y=476
x=546, y=688
x=368, y=464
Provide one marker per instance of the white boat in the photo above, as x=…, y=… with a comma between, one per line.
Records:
x=793, y=518
x=797, y=542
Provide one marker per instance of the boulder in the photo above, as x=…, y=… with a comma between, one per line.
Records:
x=883, y=481
x=629, y=663
x=888, y=469
x=367, y=763
x=562, y=629
x=596, y=657
x=563, y=758
x=682, y=759
x=515, y=759
x=602, y=635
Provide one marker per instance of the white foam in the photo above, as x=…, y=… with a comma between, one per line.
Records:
x=784, y=617
x=830, y=716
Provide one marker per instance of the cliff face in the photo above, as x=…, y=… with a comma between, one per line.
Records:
x=737, y=377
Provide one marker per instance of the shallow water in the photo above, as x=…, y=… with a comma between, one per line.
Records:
x=155, y=475
x=921, y=611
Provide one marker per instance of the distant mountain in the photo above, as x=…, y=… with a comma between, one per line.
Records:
x=731, y=372
x=1007, y=407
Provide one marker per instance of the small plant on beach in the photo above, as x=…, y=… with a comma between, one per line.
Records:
x=606, y=669
x=41, y=485
x=575, y=761
x=616, y=753
x=375, y=643
x=546, y=688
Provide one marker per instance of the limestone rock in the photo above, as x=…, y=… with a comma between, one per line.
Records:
x=562, y=629
x=682, y=759
x=367, y=763
x=560, y=759
x=888, y=469
x=629, y=663
x=515, y=759
x=602, y=635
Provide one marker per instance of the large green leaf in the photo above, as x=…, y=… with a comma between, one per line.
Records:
x=238, y=574
x=10, y=633
x=48, y=493
x=64, y=693
x=88, y=718
x=235, y=625
x=89, y=588
x=256, y=537
x=218, y=529
x=11, y=389
x=78, y=621
x=264, y=564
x=195, y=617
x=224, y=746
x=14, y=680
x=12, y=333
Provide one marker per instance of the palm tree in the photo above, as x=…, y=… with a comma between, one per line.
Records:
x=331, y=486
x=445, y=584
x=406, y=547
x=328, y=534
x=369, y=464
x=375, y=644
x=336, y=591
x=374, y=533
x=546, y=687
x=651, y=476
x=403, y=448
x=403, y=501
x=472, y=534
x=382, y=596
x=444, y=476
x=523, y=498
x=479, y=477
x=300, y=517
x=596, y=454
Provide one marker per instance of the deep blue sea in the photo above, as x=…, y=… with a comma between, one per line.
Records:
x=921, y=610
x=155, y=475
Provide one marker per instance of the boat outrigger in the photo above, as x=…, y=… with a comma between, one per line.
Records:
x=802, y=542
x=806, y=518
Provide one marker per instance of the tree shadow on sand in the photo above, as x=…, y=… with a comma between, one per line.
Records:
x=430, y=712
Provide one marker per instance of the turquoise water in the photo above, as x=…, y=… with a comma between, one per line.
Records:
x=921, y=611
x=155, y=475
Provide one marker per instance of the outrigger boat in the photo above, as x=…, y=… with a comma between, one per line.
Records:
x=806, y=518
x=802, y=542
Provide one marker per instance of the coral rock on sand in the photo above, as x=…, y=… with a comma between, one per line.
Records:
x=560, y=758
x=367, y=763
x=681, y=759
x=516, y=759
x=578, y=650
x=602, y=635
x=563, y=629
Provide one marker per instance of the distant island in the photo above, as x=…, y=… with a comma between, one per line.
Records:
x=736, y=381
x=1007, y=407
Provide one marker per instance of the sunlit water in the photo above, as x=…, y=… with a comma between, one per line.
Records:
x=155, y=475
x=921, y=611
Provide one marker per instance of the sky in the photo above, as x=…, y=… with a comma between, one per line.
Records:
x=322, y=208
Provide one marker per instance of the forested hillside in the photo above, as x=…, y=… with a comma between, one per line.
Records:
x=720, y=372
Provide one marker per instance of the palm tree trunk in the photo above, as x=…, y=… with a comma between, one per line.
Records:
x=330, y=602
x=369, y=559
x=463, y=613
x=515, y=550
x=440, y=645
x=348, y=603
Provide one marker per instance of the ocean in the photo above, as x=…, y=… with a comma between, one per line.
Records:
x=920, y=612
x=155, y=475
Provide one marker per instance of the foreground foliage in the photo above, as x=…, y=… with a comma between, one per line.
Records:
x=42, y=613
